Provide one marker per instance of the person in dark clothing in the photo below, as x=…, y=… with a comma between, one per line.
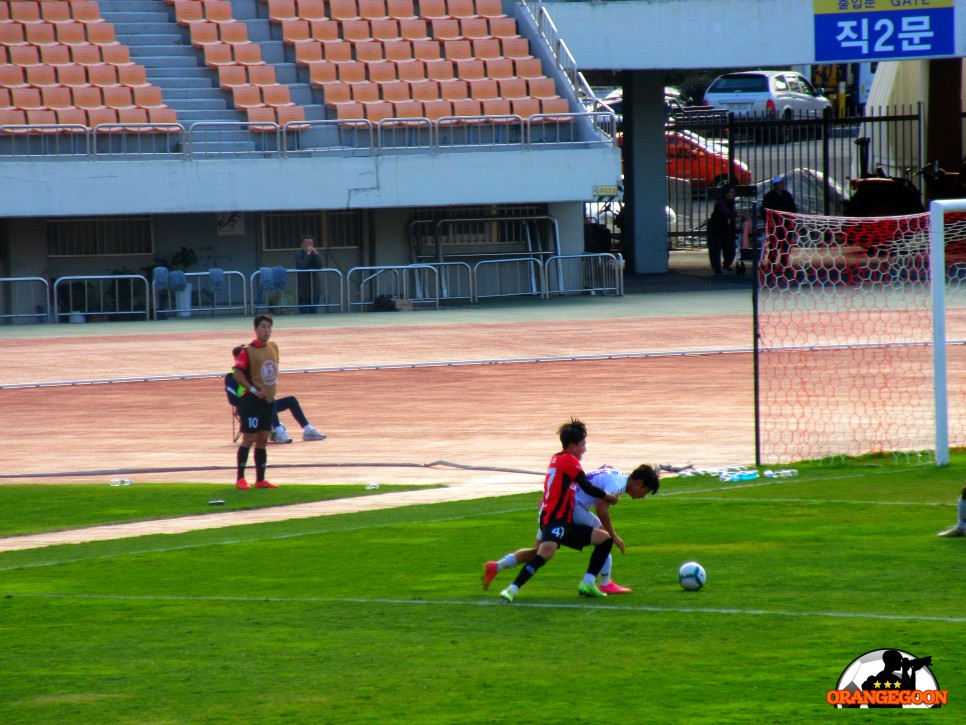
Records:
x=722, y=228
x=309, y=285
x=779, y=198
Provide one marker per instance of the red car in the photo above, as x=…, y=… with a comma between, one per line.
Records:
x=702, y=162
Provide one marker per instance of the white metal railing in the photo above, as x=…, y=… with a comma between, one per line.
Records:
x=205, y=292
x=579, y=273
x=325, y=292
x=522, y=277
x=24, y=298
x=415, y=282
x=124, y=296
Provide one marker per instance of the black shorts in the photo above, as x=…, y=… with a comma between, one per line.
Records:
x=567, y=533
x=255, y=414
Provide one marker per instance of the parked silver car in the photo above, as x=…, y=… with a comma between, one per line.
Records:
x=775, y=94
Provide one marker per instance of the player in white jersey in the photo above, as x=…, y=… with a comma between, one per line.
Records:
x=958, y=530
x=594, y=512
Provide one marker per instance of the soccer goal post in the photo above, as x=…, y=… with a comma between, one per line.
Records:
x=852, y=341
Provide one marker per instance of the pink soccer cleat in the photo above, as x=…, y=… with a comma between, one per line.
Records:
x=264, y=484
x=242, y=484
x=490, y=570
x=615, y=588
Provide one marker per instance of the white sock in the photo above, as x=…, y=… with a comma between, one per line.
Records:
x=589, y=579
x=507, y=562
x=605, y=572
x=962, y=514
x=280, y=429
x=513, y=589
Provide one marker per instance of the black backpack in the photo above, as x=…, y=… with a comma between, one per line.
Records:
x=231, y=388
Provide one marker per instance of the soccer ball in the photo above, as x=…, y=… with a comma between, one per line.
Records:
x=692, y=576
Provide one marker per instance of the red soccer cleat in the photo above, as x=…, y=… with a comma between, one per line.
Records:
x=615, y=588
x=490, y=570
x=242, y=484
x=264, y=484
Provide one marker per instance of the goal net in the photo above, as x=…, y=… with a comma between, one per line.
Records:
x=845, y=322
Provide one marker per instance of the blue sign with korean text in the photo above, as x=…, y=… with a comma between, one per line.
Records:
x=859, y=30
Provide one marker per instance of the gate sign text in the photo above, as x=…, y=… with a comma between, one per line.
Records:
x=857, y=30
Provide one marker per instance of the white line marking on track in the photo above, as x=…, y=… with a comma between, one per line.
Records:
x=515, y=605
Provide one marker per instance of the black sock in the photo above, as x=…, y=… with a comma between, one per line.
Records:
x=529, y=569
x=261, y=459
x=599, y=557
x=242, y=459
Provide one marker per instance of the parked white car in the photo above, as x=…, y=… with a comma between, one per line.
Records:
x=775, y=94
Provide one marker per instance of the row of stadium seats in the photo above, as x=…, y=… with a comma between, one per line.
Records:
x=69, y=120
x=86, y=97
x=378, y=9
x=103, y=75
x=42, y=33
x=84, y=11
x=62, y=54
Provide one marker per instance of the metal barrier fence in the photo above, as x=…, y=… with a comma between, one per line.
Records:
x=113, y=297
x=509, y=278
x=24, y=298
x=585, y=273
x=401, y=282
x=206, y=292
x=315, y=290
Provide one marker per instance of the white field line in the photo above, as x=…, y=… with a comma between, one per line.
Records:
x=497, y=603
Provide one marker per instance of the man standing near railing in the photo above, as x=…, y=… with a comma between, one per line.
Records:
x=309, y=285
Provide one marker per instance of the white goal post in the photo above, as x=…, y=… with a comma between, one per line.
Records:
x=860, y=330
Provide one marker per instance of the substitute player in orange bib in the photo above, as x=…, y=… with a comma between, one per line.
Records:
x=256, y=370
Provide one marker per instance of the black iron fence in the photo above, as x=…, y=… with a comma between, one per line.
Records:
x=819, y=158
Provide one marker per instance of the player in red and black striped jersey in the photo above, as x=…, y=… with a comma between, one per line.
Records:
x=557, y=528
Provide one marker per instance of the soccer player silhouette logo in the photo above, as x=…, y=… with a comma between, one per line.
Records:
x=898, y=673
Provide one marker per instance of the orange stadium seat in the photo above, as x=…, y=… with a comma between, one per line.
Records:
x=440, y=70
x=343, y=10
x=372, y=9
x=71, y=115
x=487, y=49
x=97, y=116
x=87, y=97
x=400, y=9
x=503, y=27
x=276, y=95
x=467, y=107
x=513, y=88
x=336, y=92
x=470, y=69
x=410, y=70
x=73, y=75
x=118, y=97
x=322, y=71
x=541, y=87
x=496, y=107
x=101, y=34
x=413, y=29
x=350, y=111
x=499, y=68
x=489, y=8
x=525, y=106
x=247, y=96
x=385, y=29
x=431, y=9
x=102, y=75
x=436, y=109
x=398, y=50
x=475, y=28
x=291, y=115
x=133, y=76
x=554, y=104
x=377, y=111
x=87, y=54
x=54, y=54
x=368, y=52
x=515, y=47
x=307, y=51
x=12, y=117
x=204, y=34
x=312, y=9
x=234, y=34
x=187, y=12
x=12, y=34
x=461, y=8
x=13, y=76
x=218, y=54
x=281, y=10
x=56, y=12
x=407, y=108
x=261, y=75
x=4, y=11
x=148, y=97
x=381, y=71
x=116, y=55
x=42, y=117
x=336, y=50
x=528, y=67
x=26, y=13
x=25, y=55
x=40, y=76
x=394, y=91
x=26, y=98
x=218, y=11
x=484, y=89
x=351, y=70
x=446, y=29
x=325, y=29
x=424, y=90
x=458, y=49
x=248, y=54
x=87, y=12
x=364, y=91
x=427, y=50
x=134, y=116
x=231, y=76
x=55, y=97
x=45, y=34
x=356, y=31
x=162, y=115
x=263, y=116
x=454, y=90
x=296, y=31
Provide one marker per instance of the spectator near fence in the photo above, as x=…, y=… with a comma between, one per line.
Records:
x=310, y=284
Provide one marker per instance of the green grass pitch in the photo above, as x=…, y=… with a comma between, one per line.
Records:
x=379, y=617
